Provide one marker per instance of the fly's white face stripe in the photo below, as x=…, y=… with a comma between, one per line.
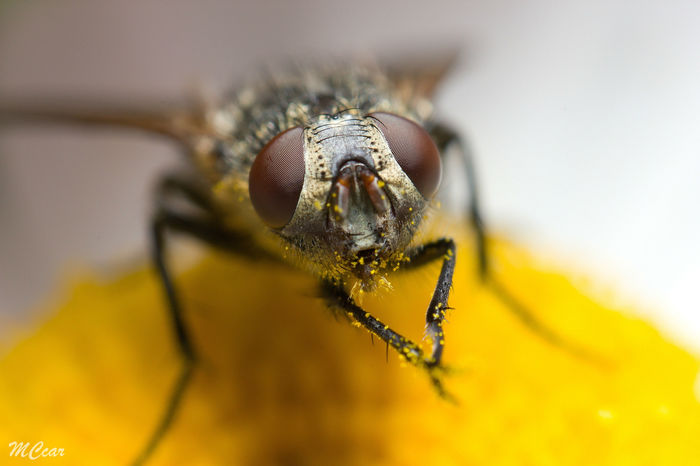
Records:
x=352, y=137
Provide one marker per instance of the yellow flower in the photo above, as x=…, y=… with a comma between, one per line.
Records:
x=281, y=382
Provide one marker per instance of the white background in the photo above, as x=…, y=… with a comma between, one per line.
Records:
x=584, y=117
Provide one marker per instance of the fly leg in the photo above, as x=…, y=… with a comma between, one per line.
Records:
x=208, y=228
x=444, y=138
x=421, y=255
x=337, y=297
x=160, y=223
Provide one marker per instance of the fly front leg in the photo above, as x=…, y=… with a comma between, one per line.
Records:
x=421, y=255
x=337, y=297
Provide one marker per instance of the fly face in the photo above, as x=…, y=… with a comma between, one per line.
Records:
x=348, y=190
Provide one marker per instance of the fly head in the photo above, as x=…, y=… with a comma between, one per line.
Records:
x=347, y=191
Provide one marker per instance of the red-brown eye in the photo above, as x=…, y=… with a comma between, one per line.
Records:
x=277, y=176
x=413, y=149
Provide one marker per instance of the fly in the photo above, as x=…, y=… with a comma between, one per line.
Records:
x=338, y=164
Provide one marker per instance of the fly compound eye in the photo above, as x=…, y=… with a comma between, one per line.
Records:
x=277, y=176
x=414, y=151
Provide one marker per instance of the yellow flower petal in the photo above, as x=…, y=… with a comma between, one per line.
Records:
x=282, y=382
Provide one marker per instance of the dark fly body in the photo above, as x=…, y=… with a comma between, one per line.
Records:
x=336, y=164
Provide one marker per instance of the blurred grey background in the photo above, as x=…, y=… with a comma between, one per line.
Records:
x=583, y=116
